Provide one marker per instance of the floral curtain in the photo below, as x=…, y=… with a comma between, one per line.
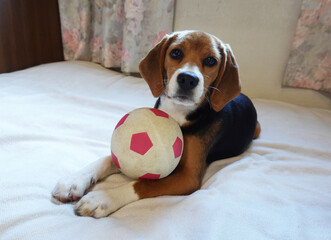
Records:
x=114, y=33
x=309, y=65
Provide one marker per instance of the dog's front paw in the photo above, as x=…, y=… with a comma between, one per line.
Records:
x=72, y=188
x=101, y=203
x=96, y=204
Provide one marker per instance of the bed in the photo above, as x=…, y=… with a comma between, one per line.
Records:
x=57, y=117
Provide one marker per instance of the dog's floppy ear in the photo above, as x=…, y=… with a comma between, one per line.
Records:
x=152, y=68
x=227, y=84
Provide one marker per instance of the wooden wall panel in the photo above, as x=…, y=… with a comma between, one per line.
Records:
x=30, y=34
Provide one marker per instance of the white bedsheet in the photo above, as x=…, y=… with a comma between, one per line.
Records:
x=57, y=118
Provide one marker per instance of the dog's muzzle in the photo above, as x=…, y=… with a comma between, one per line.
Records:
x=187, y=81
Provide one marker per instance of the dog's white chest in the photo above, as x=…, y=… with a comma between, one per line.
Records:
x=178, y=112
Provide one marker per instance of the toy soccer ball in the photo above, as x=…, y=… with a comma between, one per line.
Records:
x=147, y=143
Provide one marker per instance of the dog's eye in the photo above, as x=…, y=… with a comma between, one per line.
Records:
x=209, y=61
x=176, y=54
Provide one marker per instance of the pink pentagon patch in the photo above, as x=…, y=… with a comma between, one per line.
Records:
x=150, y=176
x=140, y=143
x=159, y=113
x=115, y=159
x=177, y=147
x=122, y=120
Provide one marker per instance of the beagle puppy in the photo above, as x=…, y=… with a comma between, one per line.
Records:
x=195, y=77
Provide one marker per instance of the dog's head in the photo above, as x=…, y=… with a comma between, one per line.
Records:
x=190, y=66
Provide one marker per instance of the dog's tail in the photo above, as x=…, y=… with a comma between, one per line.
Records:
x=257, y=130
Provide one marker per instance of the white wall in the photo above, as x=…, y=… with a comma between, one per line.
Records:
x=260, y=33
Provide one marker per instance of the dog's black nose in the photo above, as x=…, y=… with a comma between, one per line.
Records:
x=187, y=80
